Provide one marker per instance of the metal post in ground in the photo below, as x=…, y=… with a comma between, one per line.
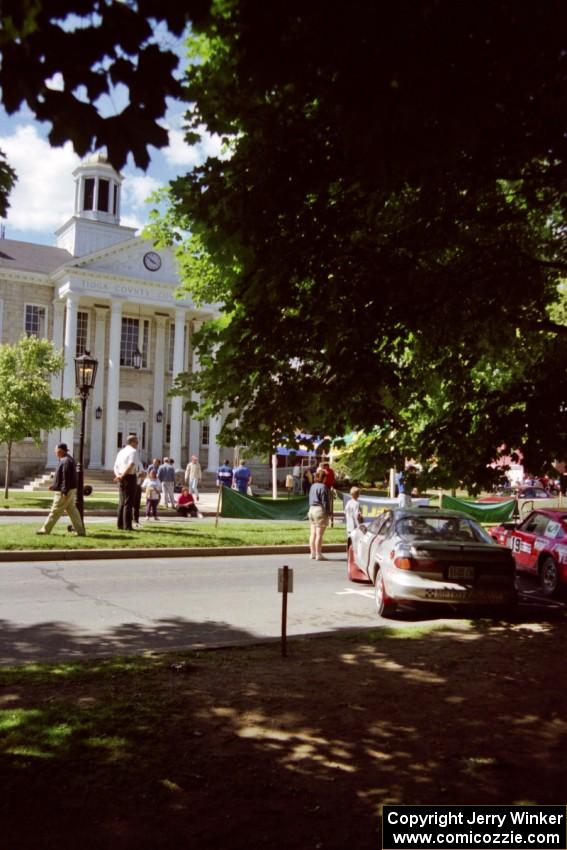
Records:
x=285, y=586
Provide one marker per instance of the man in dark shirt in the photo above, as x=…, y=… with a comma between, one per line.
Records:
x=65, y=489
x=243, y=477
x=224, y=475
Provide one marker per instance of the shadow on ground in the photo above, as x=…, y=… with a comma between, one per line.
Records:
x=243, y=749
x=60, y=641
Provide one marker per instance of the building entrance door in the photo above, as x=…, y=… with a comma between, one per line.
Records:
x=133, y=422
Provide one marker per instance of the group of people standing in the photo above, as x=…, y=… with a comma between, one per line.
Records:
x=155, y=481
x=158, y=479
x=240, y=477
x=320, y=509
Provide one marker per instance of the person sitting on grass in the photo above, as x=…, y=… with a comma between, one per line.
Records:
x=186, y=504
x=152, y=488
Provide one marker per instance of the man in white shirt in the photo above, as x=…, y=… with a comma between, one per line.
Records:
x=126, y=468
x=193, y=475
x=353, y=513
x=296, y=473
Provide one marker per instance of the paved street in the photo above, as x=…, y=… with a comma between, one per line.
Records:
x=76, y=609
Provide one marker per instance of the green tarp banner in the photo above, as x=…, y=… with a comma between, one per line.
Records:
x=481, y=511
x=234, y=504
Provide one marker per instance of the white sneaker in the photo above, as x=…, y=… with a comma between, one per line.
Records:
x=321, y=558
x=136, y=525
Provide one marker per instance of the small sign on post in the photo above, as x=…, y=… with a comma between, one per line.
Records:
x=285, y=586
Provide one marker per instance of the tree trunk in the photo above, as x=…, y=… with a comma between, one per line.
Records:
x=8, y=463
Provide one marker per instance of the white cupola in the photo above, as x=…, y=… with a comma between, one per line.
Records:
x=96, y=220
x=97, y=190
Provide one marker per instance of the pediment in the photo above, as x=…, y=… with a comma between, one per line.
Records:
x=126, y=259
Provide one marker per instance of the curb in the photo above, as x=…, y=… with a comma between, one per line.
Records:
x=187, y=552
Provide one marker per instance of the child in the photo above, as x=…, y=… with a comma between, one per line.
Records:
x=353, y=514
x=186, y=504
x=152, y=488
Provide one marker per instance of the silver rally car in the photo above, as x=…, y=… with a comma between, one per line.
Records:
x=421, y=555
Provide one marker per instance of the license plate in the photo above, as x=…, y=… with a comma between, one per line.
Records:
x=461, y=572
x=464, y=595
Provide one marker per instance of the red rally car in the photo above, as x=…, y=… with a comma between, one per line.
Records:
x=539, y=547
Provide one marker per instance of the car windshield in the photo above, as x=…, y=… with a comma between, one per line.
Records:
x=457, y=529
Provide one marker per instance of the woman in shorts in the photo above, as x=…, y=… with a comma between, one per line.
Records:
x=319, y=513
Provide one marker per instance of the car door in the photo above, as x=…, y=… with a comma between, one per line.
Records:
x=550, y=539
x=366, y=541
x=523, y=541
x=378, y=554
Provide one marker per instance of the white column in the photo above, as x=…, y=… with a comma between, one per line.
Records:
x=159, y=389
x=177, y=401
x=195, y=424
x=98, y=391
x=214, y=449
x=69, y=351
x=392, y=484
x=113, y=387
x=54, y=437
x=274, y=476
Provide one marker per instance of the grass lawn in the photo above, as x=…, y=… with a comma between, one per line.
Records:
x=241, y=749
x=162, y=535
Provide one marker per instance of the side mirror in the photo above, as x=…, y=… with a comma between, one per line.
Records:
x=363, y=528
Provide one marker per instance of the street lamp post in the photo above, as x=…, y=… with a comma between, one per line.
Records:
x=85, y=375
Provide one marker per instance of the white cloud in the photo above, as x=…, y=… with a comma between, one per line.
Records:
x=138, y=189
x=135, y=193
x=180, y=153
x=43, y=197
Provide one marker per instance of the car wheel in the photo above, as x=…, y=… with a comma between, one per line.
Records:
x=549, y=577
x=354, y=572
x=384, y=605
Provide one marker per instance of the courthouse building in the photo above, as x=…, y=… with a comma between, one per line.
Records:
x=108, y=291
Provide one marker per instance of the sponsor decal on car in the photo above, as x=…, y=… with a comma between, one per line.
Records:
x=519, y=545
x=539, y=545
x=561, y=552
x=553, y=529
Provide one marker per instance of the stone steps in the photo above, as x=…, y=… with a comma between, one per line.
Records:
x=101, y=480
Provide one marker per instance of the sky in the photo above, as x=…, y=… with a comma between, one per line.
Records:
x=43, y=198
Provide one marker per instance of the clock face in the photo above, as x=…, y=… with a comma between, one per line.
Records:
x=152, y=261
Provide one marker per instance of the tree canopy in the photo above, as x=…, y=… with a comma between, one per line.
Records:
x=386, y=232
x=386, y=229
x=61, y=57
